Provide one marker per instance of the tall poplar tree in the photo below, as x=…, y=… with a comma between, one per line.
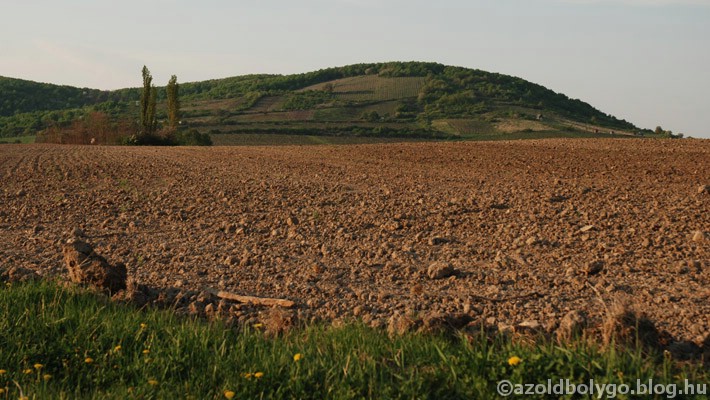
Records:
x=149, y=121
x=173, y=102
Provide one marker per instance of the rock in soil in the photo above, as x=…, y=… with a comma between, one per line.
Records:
x=440, y=270
x=87, y=267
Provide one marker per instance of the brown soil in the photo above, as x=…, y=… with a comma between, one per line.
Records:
x=525, y=231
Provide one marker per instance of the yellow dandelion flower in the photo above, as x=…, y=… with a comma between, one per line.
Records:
x=143, y=326
x=247, y=375
x=3, y=372
x=146, y=351
x=258, y=375
x=152, y=382
x=297, y=357
x=88, y=360
x=2, y=391
x=228, y=394
x=515, y=360
x=117, y=349
x=27, y=371
x=38, y=366
x=46, y=377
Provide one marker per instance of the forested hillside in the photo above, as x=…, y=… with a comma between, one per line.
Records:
x=382, y=99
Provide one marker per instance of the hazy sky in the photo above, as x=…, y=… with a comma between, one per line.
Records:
x=646, y=61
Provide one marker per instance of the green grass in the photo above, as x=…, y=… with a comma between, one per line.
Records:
x=62, y=343
x=464, y=127
x=17, y=139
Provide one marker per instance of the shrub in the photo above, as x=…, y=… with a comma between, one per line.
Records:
x=193, y=137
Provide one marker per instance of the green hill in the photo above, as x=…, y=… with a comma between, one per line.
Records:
x=397, y=99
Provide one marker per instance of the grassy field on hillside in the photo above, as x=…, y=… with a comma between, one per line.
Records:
x=68, y=343
x=373, y=88
x=18, y=139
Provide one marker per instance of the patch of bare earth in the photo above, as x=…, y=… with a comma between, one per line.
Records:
x=498, y=233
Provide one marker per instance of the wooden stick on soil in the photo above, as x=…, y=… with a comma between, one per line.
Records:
x=264, y=301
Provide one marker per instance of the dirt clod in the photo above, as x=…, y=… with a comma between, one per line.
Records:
x=698, y=236
x=279, y=320
x=440, y=270
x=87, y=267
x=571, y=326
x=593, y=267
x=623, y=326
x=399, y=324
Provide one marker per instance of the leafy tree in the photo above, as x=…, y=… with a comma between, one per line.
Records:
x=148, y=103
x=173, y=101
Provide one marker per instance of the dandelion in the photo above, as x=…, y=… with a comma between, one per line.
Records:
x=2, y=391
x=258, y=375
x=88, y=360
x=3, y=372
x=515, y=360
x=117, y=349
x=152, y=382
x=247, y=375
x=27, y=371
x=38, y=366
x=146, y=351
x=144, y=326
x=46, y=377
x=228, y=394
x=297, y=357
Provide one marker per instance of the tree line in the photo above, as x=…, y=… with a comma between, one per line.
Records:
x=99, y=127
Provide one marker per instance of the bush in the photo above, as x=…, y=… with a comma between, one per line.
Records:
x=193, y=137
x=371, y=116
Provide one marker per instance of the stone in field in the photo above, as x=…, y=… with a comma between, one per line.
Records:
x=87, y=267
x=440, y=270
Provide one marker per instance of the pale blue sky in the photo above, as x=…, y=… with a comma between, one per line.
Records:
x=647, y=61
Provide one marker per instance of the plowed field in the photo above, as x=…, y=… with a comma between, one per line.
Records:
x=533, y=229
